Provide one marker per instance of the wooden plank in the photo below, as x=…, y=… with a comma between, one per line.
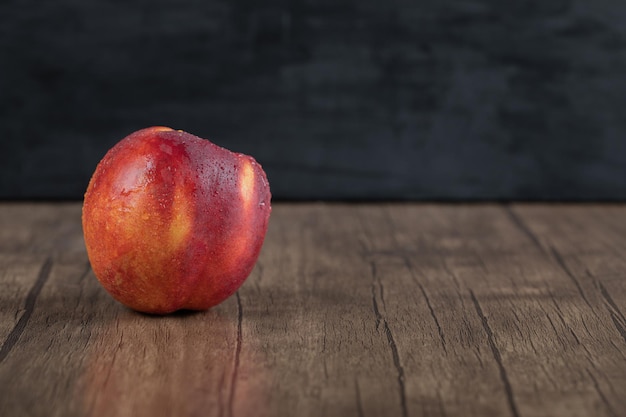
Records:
x=443, y=353
x=522, y=300
x=352, y=310
x=38, y=373
x=45, y=229
x=309, y=313
x=21, y=280
x=31, y=235
x=84, y=354
x=587, y=243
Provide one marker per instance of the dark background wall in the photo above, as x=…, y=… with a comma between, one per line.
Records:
x=341, y=99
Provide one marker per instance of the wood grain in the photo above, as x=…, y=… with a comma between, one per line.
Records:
x=352, y=310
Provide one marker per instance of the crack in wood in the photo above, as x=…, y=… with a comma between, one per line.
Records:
x=570, y=274
x=81, y=280
x=233, y=382
x=618, y=350
x=603, y=398
x=561, y=317
x=359, y=403
x=519, y=222
x=620, y=328
x=398, y=365
x=324, y=337
x=117, y=349
x=619, y=321
x=497, y=356
x=375, y=303
x=29, y=307
x=391, y=343
x=442, y=338
x=556, y=332
x=522, y=226
x=220, y=402
x=434, y=317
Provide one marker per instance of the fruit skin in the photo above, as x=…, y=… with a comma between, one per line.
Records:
x=172, y=221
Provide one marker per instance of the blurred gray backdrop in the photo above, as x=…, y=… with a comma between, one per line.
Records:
x=337, y=99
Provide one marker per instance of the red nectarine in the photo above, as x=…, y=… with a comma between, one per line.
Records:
x=172, y=221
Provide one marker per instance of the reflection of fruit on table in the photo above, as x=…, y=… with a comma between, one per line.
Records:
x=351, y=310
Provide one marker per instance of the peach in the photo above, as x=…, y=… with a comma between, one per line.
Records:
x=172, y=221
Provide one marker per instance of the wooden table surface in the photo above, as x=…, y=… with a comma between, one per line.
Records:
x=352, y=310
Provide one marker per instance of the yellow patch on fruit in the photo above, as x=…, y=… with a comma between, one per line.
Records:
x=182, y=221
x=246, y=184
